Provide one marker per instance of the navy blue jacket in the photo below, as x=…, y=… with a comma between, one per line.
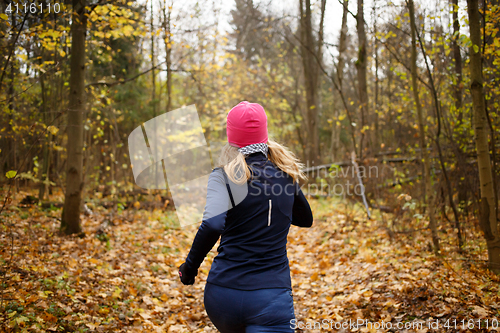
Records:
x=252, y=252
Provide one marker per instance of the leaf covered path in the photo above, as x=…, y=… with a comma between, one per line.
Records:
x=122, y=276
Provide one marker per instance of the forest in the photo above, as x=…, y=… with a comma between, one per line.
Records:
x=391, y=106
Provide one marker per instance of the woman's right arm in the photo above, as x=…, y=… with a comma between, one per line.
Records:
x=301, y=211
x=212, y=225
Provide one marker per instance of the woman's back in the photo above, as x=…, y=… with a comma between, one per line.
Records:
x=253, y=240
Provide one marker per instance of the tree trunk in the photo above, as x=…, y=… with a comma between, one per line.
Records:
x=342, y=43
x=458, y=90
x=488, y=214
x=424, y=154
x=153, y=71
x=376, y=136
x=361, y=70
x=168, y=48
x=311, y=74
x=335, y=140
x=12, y=117
x=458, y=60
x=153, y=84
x=70, y=221
x=44, y=174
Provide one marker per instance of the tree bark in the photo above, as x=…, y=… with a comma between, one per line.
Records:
x=488, y=215
x=153, y=72
x=168, y=49
x=153, y=84
x=376, y=136
x=458, y=91
x=458, y=60
x=424, y=154
x=310, y=51
x=44, y=172
x=335, y=139
x=361, y=71
x=342, y=43
x=70, y=221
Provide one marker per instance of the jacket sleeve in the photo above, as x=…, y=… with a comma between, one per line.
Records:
x=301, y=211
x=212, y=225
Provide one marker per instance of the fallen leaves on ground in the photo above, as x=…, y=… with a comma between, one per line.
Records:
x=123, y=277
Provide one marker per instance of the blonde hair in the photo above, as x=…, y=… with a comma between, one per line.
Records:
x=237, y=170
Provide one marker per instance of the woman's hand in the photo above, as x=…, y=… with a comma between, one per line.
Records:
x=186, y=277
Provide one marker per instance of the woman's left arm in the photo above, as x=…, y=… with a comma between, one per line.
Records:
x=214, y=218
x=301, y=211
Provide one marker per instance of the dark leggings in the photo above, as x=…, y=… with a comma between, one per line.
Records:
x=249, y=311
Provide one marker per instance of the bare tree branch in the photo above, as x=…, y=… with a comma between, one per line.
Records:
x=353, y=15
x=12, y=47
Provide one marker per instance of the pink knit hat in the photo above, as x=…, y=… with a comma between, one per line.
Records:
x=246, y=124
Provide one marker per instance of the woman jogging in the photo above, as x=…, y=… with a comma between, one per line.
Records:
x=249, y=288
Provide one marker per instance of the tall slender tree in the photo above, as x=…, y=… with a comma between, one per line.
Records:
x=311, y=53
x=488, y=214
x=376, y=134
x=153, y=71
x=167, y=12
x=70, y=221
x=457, y=56
x=361, y=71
x=424, y=154
x=335, y=139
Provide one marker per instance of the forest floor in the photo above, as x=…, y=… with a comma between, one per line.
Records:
x=122, y=276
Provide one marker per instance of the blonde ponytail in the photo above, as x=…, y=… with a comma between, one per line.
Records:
x=234, y=164
x=285, y=160
x=239, y=173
